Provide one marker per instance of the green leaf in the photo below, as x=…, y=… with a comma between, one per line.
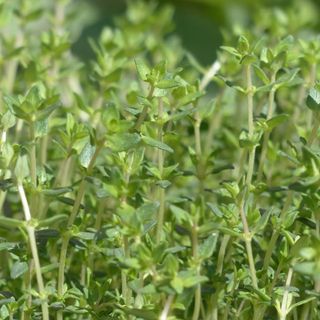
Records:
x=243, y=45
x=277, y=120
x=262, y=222
x=167, y=84
x=68, y=201
x=86, y=155
x=180, y=215
x=288, y=79
x=46, y=112
x=157, y=144
x=58, y=218
x=119, y=142
x=177, y=284
x=22, y=168
x=8, y=120
x=301, y=302
x=231, y=50
x=207, y=248
x=191, y=280
x=49, y=268
x=230, y=232
x=290, y=218
x=261, y=74
x=10, y=222
x=261, y=294
x=248, y=59
x=313, y=99
x=191, y=97
x=41, y=128
x=147, y=211
x=56, y=191
x=164, y=184
x=245, y=141
x=4, y=312
x=18, y=269
x=142, y=68
x=215, y=209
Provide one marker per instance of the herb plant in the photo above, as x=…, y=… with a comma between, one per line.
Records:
x=145, y=186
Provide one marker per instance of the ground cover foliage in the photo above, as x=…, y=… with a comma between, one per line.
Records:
x=146, y=186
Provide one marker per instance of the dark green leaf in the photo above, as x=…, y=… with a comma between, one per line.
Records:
x=123, y=141
x=157, y=144
x=215, y=209
x=313, y=99
x=207, y=247
x=277, y=120
x=56, y=191
x=18, y=269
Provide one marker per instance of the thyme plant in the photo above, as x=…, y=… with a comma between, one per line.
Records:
x=143, y=185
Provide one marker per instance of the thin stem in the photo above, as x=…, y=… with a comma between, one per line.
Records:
x=139, y=296
x=247, y=239
x=166, y=309
x=267, y=134
x=249, y=100
x=34, y=251
x=197, y=134
x=240, y=168
x=33, y=158
x=197, y=296
x=250, y=124
x=65, y=243
x=44, y=150
x=271, y=246
x=28, y=303
x=144, y=112
x=33, y=171
x=285, y=300
x=66, y=238
x=313, y=76
x=215, y=122
x=252, y=154
x=246, y=231
x=194, y=231
x=222, y=252
x=160, y=166
x=215, y=67
x=314, y=131
x=126, y=292
x=3, y=173
x=160, y=214
x=97, y=226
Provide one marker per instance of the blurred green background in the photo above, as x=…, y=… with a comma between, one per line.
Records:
x=200, y=23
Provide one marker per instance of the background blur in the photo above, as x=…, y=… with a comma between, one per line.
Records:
x=199, y=23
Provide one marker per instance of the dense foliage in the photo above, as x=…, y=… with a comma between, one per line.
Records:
x=146, y=186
